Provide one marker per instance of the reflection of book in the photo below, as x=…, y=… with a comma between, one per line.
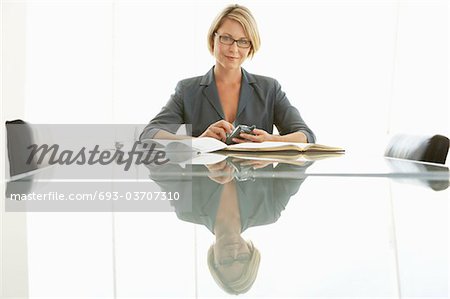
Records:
x=290, y=157
x=207, y=158
x=206, y=145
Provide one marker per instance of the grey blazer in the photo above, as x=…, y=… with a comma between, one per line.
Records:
x=196, y=101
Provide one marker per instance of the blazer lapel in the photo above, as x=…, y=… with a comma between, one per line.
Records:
x=246, y=93
x=210, y=92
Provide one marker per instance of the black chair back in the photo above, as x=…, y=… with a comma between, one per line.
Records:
x=420, y=148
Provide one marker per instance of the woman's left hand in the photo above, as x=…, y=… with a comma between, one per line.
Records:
x=220, y=172
x=255, y=164
x=259, y=136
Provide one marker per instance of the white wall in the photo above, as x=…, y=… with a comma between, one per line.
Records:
x=357, y=70
x=13, y=237
x=420, y=92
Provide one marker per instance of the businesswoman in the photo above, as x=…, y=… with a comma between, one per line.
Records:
x=227, y=95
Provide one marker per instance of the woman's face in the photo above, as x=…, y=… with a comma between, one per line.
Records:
x=230, y=56
x=231, y=256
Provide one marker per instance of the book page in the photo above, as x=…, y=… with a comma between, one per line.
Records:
x=207, y=144
x=200, y=144
x=282, y=146
x=207, y=158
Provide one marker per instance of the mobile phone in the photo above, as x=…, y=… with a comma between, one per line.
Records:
x=237, y=131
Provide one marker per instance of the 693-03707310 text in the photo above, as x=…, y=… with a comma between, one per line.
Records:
x=97, y=195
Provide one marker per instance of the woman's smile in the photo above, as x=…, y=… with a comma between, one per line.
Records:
x=232, y=58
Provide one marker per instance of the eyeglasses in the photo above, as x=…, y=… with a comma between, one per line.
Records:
x=228, y=40
x=241, y=258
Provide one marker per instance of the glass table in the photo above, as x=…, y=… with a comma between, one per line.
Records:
x=335, y=227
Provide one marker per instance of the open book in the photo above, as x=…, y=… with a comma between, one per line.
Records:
x=208, y=145
x=272, y=146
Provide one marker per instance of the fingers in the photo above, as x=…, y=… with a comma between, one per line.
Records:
x=249, y=163
x=259, y=132
x=217, y=166
x=262, y=165
x=220, y=172
x=228, y=127
x=250, y=137
x=257, y=135
x=218, y=130
x=239, y=140
x=256, y=164
x=222, y=128
x=253, y=138
x=213, y=132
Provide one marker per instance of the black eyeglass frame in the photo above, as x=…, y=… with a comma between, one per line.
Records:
x=237, y=41
x=241, y=258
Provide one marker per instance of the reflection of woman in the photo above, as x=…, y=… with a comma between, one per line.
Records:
x=260, y=200
x=227, y=208
x=228, y=95
x=232, y=261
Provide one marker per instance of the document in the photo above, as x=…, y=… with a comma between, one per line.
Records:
x=206, y=150
x=275, y=146
x=209, y=145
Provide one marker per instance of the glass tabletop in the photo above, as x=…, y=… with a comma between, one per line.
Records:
x=137, y=187
x=247, y=230
x=257, y=165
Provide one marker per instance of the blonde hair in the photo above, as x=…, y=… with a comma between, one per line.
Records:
x=247, y=278
x=242, y=15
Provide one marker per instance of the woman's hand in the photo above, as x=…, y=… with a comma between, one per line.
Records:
x=218, y=130
x=255, y=164
x=221, y=172
x=259, y=136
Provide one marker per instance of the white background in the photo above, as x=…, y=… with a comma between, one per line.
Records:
x=357, y=71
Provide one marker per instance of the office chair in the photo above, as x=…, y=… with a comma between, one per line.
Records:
x=420, y=148
x=19, y=137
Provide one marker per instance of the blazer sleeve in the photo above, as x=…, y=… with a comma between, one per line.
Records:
x=287, y=118
x=169, y=118
x=285, y=188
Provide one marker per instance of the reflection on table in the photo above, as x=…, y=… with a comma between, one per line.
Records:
x=227, y=202
x=338, y=228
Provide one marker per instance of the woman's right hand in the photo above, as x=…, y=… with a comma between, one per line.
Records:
x=218, y=130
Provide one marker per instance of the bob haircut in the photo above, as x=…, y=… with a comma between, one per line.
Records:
x=247, y=278
x=242, y=15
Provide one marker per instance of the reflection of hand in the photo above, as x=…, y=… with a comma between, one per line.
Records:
x=218, y=130
x=221, y=172
x=255, y=164
x=259, y=136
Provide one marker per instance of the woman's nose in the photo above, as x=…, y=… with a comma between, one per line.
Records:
x=234, y=46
